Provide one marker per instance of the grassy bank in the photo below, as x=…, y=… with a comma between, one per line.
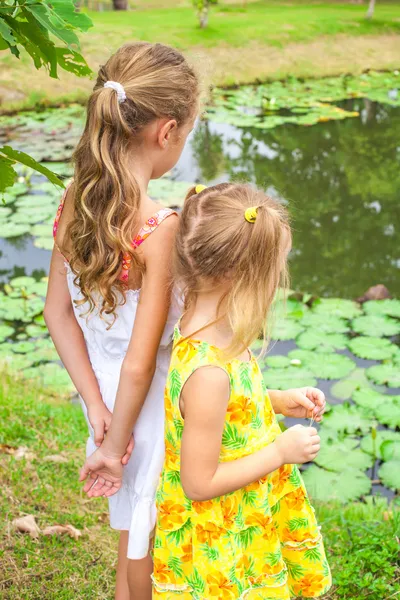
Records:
x=361, y=538
x=264, y=40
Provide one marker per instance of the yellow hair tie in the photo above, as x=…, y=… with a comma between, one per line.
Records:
x=199, y=188
x=250, y=214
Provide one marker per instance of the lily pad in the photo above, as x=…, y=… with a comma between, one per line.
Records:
x=22, y=347
x=386, y=374
x=5, y=332
x=47, y=243
x=324, y=365
x=333, y=456
x=36, y=331
x=389, y=473
x=372, y=348
x=337, y=307
x=346, y=418
x=390, y=450
x=325, y=322
x=314, y=339
x=368, y=398
x=22, y=282
x=382, y=435
x=289, y=377
x=344, y=486
x=286, y=329
x=376, y=325
x=35, y=200
x=346, y=387
x=10, y=229
x=277, y=361
x=387, y=307
x=388, y=412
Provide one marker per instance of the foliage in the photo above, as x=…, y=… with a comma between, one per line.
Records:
x=331, y=455
x=33, y=26
x=385, y=374
x=202, y=9
x=324, y=365
x=376, y=325
x=372, y=348
x=288, y=377
x=344, y=486
x=315, y=339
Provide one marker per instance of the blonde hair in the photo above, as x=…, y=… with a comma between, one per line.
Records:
x=215, y=243
x=158, y=82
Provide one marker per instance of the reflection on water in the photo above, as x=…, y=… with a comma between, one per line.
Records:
x=341, y=180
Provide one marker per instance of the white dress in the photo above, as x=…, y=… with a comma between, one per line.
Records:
x=132, y=508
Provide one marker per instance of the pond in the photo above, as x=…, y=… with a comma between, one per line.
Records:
x=339, y=174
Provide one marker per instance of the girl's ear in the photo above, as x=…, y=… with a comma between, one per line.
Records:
x=165, y=132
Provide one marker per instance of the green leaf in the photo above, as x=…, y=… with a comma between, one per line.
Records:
x=72, y=61
x=297, y=523
x=346, y=387
x=372, y=348
x=389, y=473
x=7, y=173
x=211, y=553
x=382, y=435
x=324, y=365
x=387, y=307
x=273, y=558
x=28, y=161
x=175, y=385
x=5, y=332
x=232, y=439
x=348, y=418
x=368, y=398
x=196, y=582
x=344, y=486
x=48, y=19
x=10, y=230
x=331, y=455
x=376, y=325
x=338, y=307
x=245, y=537
x=245, y=378
x=250, y=497
x=294, y=478
x=295, y=570
x=66, y=10
x=286, y=329
x=388, y=412
x=386, y=374
x=178, y=428
x=174, y=478
x=277, y=361
x=390, y=450
x=281, y=379
x=177, y=537
x=175, y=564
x=325, y=322
x=315, y=339
x=6, y=33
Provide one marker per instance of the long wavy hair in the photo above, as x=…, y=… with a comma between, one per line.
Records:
x=215, y=243
x=158, y=82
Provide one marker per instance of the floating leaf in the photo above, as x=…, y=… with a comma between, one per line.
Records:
x=10, y=230
x=382, y=435
x=35, y=331
x=5, y=332
x=314, y=339
x=387, y=307
x=281, y=379
x=388, y=412
x=345, y=418
x=368, y=398
x=346, y=387
x=22, y=282
x=389, y=473
x=376, y=326
x=286, y=329
x=338, y=307
x=22, y=347
x=325, y=322
x=345, y=486
x=386, y=374
x=47, y=243
x=324, y=365
x=372, y=348
x=390, y=450
x=277, y=361
x=333, y=455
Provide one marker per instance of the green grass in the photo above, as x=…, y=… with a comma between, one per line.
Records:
x=360, y=538
x=268, y=39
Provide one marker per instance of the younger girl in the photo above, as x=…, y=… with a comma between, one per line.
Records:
x=109, y=308
x=234, y=520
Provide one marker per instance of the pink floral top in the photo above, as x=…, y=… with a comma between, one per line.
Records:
x=151, y=225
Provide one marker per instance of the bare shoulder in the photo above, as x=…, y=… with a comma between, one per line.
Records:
x=162, y=239
x=208, y=378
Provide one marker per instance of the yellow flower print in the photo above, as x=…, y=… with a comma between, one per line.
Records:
x=186, y=350
x=208, y=534
x=295, y=500
x=241, y=410
x=280, y=477
x=202, y=507
x=299, y=535
x=161, y=571
x=260, y=519
x=229, y=510
x=219, y=586
x=187, y=555
x=170, y=515
x=310, y=585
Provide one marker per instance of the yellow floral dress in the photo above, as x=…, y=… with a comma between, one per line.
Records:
x=260, y=542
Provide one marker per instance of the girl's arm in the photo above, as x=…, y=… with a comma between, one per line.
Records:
x=140, y=361
x=205, y=399
x=70, y=345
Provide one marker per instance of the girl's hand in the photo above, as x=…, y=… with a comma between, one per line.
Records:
x=298, y=444
x=100, y=419
x=302, y=403
x=103, y=474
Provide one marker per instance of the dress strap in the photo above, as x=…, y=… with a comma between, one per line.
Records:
x=144, y=232
x=59, y=211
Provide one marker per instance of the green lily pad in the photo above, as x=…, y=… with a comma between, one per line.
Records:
x=286, y=329
x=289, y=309
x=332, y=455
x=45, y=342
x=257, y=346
x=372, y=348
x=368, y=398
x=346, y=387
x=344, y=486
x=388, y=412
x=47, y=243
x=36, y=331
x=337, y=307
x=325, y=322
x=324, y=365
x=389, y=473
x=387, y=307
x=36, y=200
x=22, y=282
x=390, y=450
x=10, y=229
x=21, y=336
x=46, y=355
x=346, y=418
x=314, y=339
x=4, y=212
x=22, y=347
x=277, y=361
x=16, y=362
x=382, y=435
x=52, y=376
x=376, y=325
x=5, y=332
x=42, y=231
x=386, y=374
x=39, y=288
x=289, y=377
x=169, y=192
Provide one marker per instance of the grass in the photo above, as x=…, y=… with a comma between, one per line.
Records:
x=360, y=538
x=264, y=40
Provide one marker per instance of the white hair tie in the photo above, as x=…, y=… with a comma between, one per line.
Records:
x=119, y=88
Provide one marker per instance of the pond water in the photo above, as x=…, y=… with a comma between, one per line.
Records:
x=341, y=180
